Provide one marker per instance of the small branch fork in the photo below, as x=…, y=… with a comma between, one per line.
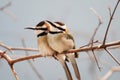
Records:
x=106, y=33
x=109, y=23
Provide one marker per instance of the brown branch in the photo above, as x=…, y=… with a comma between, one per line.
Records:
x=9, y=60
x=109, y=23
x=12, y=61
x=112, y=56
x=5, y=46
x=84, y=49
x=17, y=48
x=109, y=11
x=93, y=36
x=106, y=33
x=98, y=26
x=26, y=49
x=14, y=72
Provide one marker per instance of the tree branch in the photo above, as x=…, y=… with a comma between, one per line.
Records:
x=83, y=49
x=110, y=72
x=109, y=23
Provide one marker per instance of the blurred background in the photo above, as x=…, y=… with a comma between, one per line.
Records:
x=81, y=21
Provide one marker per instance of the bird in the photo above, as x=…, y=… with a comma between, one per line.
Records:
x=61, y=40
x=42, y=30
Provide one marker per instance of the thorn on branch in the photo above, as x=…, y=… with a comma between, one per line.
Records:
x=110, y=13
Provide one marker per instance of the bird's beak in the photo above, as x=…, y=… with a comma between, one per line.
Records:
x=30, y=28
x=44, y=29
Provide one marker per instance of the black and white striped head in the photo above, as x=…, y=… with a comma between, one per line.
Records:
x=45, y=27
x=57, y=27
x=41, y=29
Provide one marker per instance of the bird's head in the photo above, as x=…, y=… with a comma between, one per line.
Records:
x=57, y=27
x=45, y=27
x=41, y=29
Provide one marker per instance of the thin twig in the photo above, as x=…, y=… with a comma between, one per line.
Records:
x=14, y=72
x=89, y=44
x=5, y=46
x=96, y=60
x=8, y=12
x=95, y=31
x=112, y=56
x=98, y=26
x=109, y=23
x=110, y=72
x=97, y=47
x=110, y=13
x=5, y=6
x=17, y=48
x=26, y=49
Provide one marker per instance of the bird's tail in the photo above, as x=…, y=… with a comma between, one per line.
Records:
x=61, y=59
x=71, y=58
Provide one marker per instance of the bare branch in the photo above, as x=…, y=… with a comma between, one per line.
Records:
x=5, y=46
x=95, y=31
x=14, y=72
x=109, y=10
x=96, y=60
x=98, y=16
x=110, y=72
x=9, y=60
x=97, y=47
x=99, y=24
x=8, y=12
x=89, y=44
x=5, y=6
x=17, y=48
x=26, y=49
x=112, y=56
x=109, y=23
